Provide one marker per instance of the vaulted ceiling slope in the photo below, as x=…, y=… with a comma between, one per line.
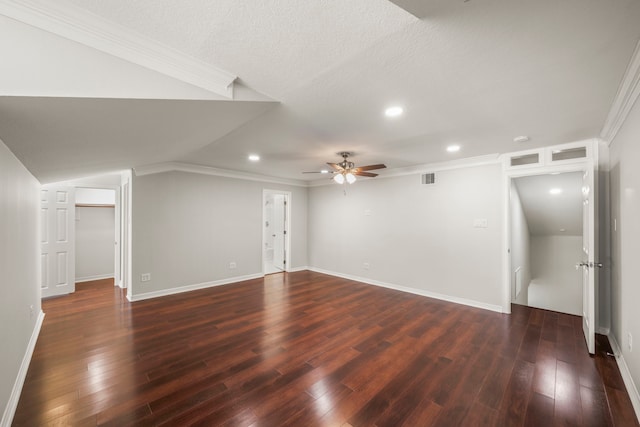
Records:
x=313, y=78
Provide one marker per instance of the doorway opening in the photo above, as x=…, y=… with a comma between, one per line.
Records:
x=547, y=241
x=276, y=212
x=96, y=234
x=579, y=157
x=85, y=232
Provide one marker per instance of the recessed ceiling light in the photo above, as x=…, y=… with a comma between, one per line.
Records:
x=324, y=171
x=522, y=138
x=555, y=191
x=562, y=230
x=394, y=111
x=453, y=148
x=254, y=157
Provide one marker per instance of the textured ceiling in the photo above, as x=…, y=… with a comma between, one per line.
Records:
x=474, y=73
x=548, y=213
x=274, y=46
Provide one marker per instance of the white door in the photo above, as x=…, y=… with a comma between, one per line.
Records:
x=588, y=263
x=58, y=240
x=279, y=231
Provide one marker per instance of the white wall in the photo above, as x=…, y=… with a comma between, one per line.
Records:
x=555, y=282
x=95, y=238
x=76, y=70
x=625, y=240
x=520, y=257
x=20, y=267
x=188, y=227
x=603, y=306
x=414, y=235
x=95, y=196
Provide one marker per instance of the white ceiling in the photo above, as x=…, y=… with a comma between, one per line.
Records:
x=474, y=73
x=547, y=214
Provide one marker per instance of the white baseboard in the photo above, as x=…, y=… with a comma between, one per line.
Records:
x=632, y=390
x=12, y=404
x=603, y=331
x=296, y=269
x=424, y=293
x=187, y=288
x=91, y=278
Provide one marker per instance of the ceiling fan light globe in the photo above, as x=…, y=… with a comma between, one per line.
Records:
x=339, y=178
x=351, y=178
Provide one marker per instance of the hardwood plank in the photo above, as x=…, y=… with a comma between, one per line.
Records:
x=513, y=408
x=568, y=406
x=544, y=376
x=539, y=411
x=309, y=349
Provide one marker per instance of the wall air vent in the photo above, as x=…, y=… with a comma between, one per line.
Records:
x=429, y=178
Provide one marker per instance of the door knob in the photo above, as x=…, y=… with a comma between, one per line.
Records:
x=582, y=264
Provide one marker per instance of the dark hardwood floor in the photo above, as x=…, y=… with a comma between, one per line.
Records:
x=305, y=349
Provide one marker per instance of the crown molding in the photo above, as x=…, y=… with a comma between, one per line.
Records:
x=468, y=162
x=628, y=93
x=83, y=27
x=208, y=170
x=390, y=173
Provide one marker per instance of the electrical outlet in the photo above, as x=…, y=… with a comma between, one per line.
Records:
x=145, y=277
x=232, y=265
x=367, y=212
x=630, y=341
x=480, y=223
x=366, y=265
x=31, y=311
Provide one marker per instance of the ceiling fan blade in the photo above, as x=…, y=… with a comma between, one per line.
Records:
x=315, y=172
x=371, y=167
x=365, y=174
x=336, y=166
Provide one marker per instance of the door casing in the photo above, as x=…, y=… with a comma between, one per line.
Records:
x=545, y=166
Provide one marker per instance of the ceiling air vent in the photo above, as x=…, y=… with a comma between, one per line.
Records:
x=429, y=178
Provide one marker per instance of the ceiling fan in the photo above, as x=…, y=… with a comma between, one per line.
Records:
x=347, y=171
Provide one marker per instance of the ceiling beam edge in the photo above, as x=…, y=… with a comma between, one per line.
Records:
x=90, y=30
x=209, y=170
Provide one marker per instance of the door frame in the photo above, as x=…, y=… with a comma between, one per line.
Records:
x=287, y=240
x=543, y=167
x=123, y=202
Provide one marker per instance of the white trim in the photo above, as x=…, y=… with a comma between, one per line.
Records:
x=628, y=93
x=468, y=162
x=81, y=26
x=542, y=168
x=604, y=331
x=296, y=269
x=390, y=173
x=545, y=157
x=208, y=170
x=632, y=390
x=421, y=292
x=12, y=404
x=91, y=278
x=187, y=288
